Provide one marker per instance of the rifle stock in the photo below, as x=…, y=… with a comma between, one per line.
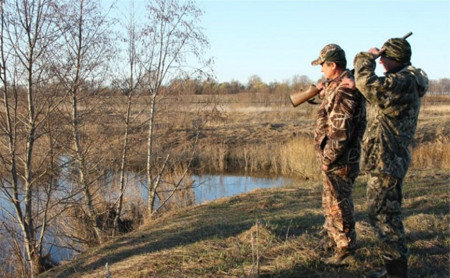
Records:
x=298, y=98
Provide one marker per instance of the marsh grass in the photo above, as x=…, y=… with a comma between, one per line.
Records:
x=278, y=139
x=298, y=158
x=432, y=155
x=253, y=134
x=294, y=158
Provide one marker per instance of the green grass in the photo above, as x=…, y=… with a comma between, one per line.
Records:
x=271, y=233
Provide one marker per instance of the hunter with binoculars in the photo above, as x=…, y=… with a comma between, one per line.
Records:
x=343, y=138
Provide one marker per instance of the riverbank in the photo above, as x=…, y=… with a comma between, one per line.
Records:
x=270, y=233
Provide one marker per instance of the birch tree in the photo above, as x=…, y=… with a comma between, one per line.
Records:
x=27, y=152
x=174, y=46
x=132, y=77
x=85, y=51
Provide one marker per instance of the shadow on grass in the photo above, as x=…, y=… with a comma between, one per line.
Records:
x=315, y=272
x=220, y=220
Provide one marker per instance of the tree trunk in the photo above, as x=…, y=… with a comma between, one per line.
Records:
x=123, y=164
x=150, y=180
x=81, y=165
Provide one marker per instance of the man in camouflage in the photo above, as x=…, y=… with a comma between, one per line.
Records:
x=395, y=99
x=340, y=125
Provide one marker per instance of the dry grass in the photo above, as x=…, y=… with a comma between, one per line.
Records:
x=270, y=233
x=432, y=155
x=299, y=158
x=249, y=134
x=278, y=140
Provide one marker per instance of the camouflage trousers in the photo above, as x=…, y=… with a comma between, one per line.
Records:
x=384, y=199
x=337, y=204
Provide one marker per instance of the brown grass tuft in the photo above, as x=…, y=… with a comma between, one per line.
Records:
x=432, y=155
x=298, y=158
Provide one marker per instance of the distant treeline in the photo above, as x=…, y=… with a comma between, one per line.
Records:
x=256, y=85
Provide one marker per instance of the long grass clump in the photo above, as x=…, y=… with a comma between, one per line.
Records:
x=298, y=158
x=432, y=155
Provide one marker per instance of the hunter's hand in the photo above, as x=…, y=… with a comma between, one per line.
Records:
x=321, y=87
x=348, y=83
x=375, y=51
x=325, y=167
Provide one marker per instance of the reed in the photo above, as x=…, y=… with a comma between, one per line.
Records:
x=298, y=158
x=294, y=158
x=432, y=155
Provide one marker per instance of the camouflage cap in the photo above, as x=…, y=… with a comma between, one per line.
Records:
x=330, y=53
x=397, y=49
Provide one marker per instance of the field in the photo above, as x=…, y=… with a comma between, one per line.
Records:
x=274, y=232
x=278, y=139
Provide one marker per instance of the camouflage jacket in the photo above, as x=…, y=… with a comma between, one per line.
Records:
x=341, y=121
x=395, y=99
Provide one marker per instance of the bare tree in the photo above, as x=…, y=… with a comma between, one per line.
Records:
x=130, y=86
x=173, y=38
x=300, y=82
x=81, y=60
x=27, y=150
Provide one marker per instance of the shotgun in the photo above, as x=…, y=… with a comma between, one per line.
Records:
x=302, y=96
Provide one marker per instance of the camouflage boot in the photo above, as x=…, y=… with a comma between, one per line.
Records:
x=342, y=257
x=326, y=243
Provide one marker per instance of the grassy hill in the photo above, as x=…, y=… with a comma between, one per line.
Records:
x=271, y=233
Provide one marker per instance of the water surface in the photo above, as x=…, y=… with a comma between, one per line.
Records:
x=211, y=187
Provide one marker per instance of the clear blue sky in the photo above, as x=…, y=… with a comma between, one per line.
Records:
x=277, y=40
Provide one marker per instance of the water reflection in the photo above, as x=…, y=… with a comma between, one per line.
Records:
x=211, y=187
